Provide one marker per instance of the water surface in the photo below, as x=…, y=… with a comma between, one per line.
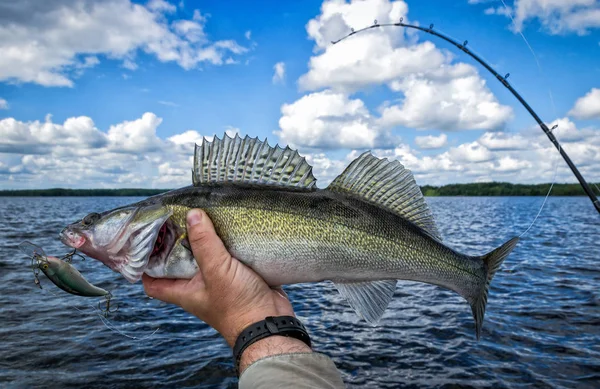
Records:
x=542, y=325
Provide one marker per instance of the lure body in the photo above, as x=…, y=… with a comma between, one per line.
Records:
x=68, y=278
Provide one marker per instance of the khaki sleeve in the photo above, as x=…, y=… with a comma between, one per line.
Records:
x=298, y=370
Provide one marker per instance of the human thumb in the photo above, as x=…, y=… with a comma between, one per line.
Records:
x=210, y=253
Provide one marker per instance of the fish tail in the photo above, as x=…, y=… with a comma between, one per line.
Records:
x=492, y=261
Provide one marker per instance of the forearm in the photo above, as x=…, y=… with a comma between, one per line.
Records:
x=300, y=368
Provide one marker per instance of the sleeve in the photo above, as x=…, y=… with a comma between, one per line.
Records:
x=298, y=370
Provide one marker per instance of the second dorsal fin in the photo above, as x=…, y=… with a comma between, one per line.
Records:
x=249, y=161
x=389, y=185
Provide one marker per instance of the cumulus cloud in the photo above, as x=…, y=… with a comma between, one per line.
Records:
x=431, y=90
x=49, y=42
x=556, y=16
x=588, y=106
x=328, y=120
x=3, y=104
x=75, y=153
x=431, y=142
x=528, y=158
x=453, y=98
x=279, y=75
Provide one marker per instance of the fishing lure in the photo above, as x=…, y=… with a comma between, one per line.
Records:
x=63, y=274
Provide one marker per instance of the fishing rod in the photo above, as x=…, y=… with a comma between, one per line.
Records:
x=503, y=80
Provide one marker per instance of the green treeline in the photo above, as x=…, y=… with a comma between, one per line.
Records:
x=81, y=192
x=477, y=189
x=502, y=189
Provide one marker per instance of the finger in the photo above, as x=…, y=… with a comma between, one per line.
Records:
x=210, y=253
x=167, y=290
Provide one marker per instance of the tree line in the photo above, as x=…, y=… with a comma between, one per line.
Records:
x=475, y=189
x=502, y=189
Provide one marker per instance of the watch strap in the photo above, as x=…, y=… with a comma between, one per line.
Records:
x=272, y=325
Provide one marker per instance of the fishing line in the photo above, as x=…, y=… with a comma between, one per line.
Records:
x=555, y=161
x=105, y=321
x=508, y=12
x=110, y=326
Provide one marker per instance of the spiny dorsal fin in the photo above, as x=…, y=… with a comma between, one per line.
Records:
x=250, y=161
x=389, y=185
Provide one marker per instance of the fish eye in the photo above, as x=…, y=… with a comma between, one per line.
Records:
x=90, y=219
x=45, y=266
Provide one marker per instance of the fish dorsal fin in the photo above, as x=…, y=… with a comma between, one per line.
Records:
x=389, y=185
x=250, y=161
x=369, y=299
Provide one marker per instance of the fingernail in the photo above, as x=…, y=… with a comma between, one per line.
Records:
x=194, y=217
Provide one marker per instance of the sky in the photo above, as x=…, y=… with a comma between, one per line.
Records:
x=115, y=93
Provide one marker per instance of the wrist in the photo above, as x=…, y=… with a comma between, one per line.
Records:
x=235, y=328
x=273, y=345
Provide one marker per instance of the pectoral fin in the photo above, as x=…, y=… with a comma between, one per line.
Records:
x=368, y=299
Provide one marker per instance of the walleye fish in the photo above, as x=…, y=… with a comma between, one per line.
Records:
x=369, y=228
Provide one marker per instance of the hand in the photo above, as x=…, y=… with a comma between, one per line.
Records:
x=226, y=294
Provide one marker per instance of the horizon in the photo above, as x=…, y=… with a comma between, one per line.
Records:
x=122, y=97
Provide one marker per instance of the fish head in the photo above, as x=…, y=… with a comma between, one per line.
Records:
x=124, y=239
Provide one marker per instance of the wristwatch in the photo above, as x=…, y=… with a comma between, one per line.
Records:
x=279, y=325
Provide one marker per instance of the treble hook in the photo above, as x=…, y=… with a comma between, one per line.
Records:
x=38, y=257
x=107, y=308
x=69, y=256
x=36, y=270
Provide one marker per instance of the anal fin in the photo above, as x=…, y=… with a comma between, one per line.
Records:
x=369, y=299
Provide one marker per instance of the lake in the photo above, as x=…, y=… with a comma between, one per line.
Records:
x=542, y=325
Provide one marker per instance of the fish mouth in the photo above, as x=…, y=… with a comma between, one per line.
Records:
x=163, y=244
x=70, y=238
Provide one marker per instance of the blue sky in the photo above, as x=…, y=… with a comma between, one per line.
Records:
x=114, y=93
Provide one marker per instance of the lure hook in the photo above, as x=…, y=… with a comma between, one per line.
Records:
x=69, y=256
x=106, y=309
x=38, y=256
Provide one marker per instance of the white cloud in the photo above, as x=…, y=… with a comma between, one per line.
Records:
x=501, y=141
x=161, y=6
x=453, y=98
x=556, y=16
x=329, y=120
x=3, y=104
x=129, y=64
x=588, y=106
x=135, y=136
x=168, y=103
x=279, y=75
x=431, y=142
x=188, y=137
x=248, y=34
x=501, y=10
x=471, y=152
x=48, y=43
x=433, y=92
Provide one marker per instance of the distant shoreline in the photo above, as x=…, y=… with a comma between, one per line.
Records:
x=475, y=189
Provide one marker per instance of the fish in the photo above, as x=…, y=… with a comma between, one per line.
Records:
x=369, y=228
